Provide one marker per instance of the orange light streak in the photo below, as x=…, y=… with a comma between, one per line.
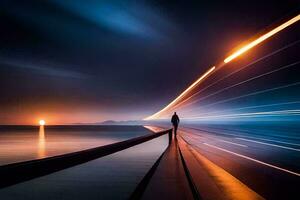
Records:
x=262, y=38
x=182, y=94
x=228, y=59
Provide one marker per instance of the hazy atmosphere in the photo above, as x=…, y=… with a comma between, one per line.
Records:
x=77, y=61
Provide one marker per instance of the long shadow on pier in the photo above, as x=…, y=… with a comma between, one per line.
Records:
x=169, y=178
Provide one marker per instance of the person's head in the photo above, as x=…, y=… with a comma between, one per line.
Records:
x=174, y=113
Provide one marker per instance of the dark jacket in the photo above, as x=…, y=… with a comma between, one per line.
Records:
x=175, y=120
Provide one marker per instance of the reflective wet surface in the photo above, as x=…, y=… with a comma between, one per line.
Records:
x=27, y=143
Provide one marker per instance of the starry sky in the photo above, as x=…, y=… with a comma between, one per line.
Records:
x=85, y=61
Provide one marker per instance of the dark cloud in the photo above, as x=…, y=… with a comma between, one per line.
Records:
x=40, y=69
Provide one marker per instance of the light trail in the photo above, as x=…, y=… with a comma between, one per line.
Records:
x=197, y=137
x=231, y=187
x=251, y=107
x=183, y=93
x=237, y=144
x=262, y=38
x=289, y=143
x=246, y=115
x=264, y=143
x=251, y=137
x=242, y=82
x=209, y=72
x=238, y=70
x=252, y=159
x=245, y=157
x=251, y=94
x=263, y=139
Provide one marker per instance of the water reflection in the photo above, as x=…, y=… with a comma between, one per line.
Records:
x=111, y=177
x=41, y=151
x=19, y=144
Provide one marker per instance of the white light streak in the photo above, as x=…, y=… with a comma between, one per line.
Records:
x=251, y=107
x=247, y=115
x=228, y=59
x=252, y=159
x=237, y=144
x=251, y=94
x=238, y=70
x=242, y=82
x=264, y=143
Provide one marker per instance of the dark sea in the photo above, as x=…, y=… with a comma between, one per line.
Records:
x=111, y=177
x=21, y=143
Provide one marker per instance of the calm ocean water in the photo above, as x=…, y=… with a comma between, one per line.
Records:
x=21, y=143
x=111, y=177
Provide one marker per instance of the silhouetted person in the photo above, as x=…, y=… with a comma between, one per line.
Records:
x=175, y=121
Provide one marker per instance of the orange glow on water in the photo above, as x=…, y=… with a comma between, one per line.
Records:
x=41, y=143
x=262, y=38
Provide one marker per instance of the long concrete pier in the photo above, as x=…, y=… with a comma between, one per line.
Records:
x=169, y=180
x=183, y=173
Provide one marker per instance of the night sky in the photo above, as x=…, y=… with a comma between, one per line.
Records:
x=75, y=61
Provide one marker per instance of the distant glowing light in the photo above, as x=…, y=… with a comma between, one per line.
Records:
x=42, y=122
x=262, y=38
x=182, y=94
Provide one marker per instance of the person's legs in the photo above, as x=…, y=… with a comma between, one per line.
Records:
x=175, y=130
